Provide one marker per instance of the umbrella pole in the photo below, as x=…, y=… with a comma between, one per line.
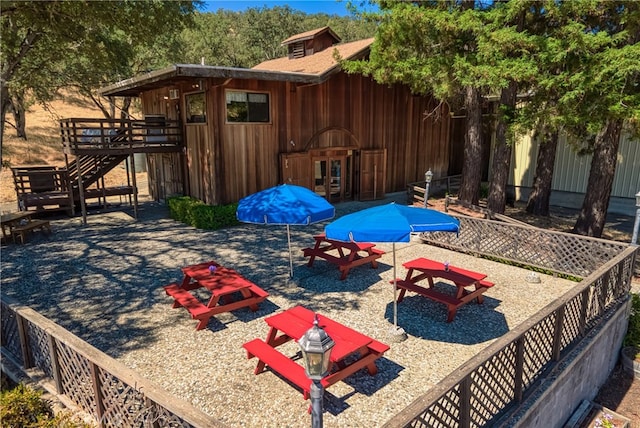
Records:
x=290, y=256
x=395, y=289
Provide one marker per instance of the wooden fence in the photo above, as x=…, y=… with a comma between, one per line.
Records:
x=438, y=186
x=99, y=385
x=480, y=393
x=486, y=388
x=120, y=136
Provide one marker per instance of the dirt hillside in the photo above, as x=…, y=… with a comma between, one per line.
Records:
x=43, y=145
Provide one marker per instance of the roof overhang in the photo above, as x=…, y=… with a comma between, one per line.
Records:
x=177, y=73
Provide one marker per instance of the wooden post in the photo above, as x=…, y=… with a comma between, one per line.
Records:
x=55, y=364
x=557, y=334
x=583, y=310
x=519, y=374
x=95, y=381
x=135, y=186
x=27, y=361
x=465, y=402
x=83, y=205
x=69, y=186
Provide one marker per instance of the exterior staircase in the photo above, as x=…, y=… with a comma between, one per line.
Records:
x=92, y=169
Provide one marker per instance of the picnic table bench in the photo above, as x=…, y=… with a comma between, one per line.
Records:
x=19, y=224
x=429, y=269
x=347, y=257
x=352, y=351
x=229, y=291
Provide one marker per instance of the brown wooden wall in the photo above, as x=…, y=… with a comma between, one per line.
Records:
x=226, y=162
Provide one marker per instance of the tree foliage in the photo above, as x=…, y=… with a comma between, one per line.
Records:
x=50, y=45
x=576, y=62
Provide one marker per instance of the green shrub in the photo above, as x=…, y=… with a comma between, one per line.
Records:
x=24, y=407
x=196, y=213
x=632, y=337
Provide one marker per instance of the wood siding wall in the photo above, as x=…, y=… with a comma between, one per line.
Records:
x=226, y=162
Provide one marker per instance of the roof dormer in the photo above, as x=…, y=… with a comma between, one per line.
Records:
x=310, y=42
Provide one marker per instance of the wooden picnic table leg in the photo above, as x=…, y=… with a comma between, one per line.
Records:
x=213, y=301
x=313, y=257
x=247, y=294
x=202, y=323
x=374, y=262
x=451, y=312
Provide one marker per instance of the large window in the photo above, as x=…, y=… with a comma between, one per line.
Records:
x=196, y=108
x=247, y=107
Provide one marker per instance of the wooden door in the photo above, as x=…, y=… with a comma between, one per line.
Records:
x=373, y=170
x=295, y=169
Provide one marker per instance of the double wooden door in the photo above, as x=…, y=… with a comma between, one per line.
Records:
x=337, y=174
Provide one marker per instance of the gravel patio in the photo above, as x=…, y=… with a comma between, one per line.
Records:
x=103, y=282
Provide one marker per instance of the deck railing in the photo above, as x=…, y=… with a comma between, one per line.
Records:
x=120, y=136
x=99, y=385
x=438, y=186
x=487, y=387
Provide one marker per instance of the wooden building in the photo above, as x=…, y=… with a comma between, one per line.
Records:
x=298, y=119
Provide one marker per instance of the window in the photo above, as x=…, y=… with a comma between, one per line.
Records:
x=196, y=108
x=247, y=107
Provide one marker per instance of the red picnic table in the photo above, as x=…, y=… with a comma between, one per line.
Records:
x=348, y=253
x=229, y=291
x=462, y=278
x=352, y=351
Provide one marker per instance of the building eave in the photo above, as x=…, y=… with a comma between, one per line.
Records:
x=185, y=72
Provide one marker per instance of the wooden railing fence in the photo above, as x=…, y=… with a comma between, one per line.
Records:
x=99, y=385
x=486, y=388
x=438, y=186
x=480, y=393
x=120, y=136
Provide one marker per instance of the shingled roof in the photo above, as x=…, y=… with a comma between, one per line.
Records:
x=311, y=34
x=311, y=69
x=319, y=63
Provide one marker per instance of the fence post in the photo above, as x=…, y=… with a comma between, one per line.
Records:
x=55, y=364
x=557, y=333
x=519, y=373
x=97, y=391
x=465, y=402
x=27, y=360
x=583, y=310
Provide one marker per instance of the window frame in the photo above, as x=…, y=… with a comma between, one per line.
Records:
x=247, y=122
x=187, y=116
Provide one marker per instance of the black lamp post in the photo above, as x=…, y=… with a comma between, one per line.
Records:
x=316, y=347
x=427, y=180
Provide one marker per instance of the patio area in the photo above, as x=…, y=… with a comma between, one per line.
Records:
x=104, y=282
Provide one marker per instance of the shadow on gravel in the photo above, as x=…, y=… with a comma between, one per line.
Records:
x=472, y=324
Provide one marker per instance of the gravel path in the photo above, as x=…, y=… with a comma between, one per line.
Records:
x=103, y=281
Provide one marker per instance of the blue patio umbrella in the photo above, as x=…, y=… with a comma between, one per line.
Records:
x=285, y=204
x=390, y=223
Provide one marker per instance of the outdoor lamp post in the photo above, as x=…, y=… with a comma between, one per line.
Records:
x=316, y=347
x=427, y=180
x=636, y=226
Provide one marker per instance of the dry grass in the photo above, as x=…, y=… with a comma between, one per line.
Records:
x=43, y=145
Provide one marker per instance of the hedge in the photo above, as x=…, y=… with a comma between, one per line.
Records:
x=196, y=213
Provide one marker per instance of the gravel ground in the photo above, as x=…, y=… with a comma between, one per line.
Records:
x=103, y=282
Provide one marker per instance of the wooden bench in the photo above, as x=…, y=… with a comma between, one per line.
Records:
x=452, y=302
x=188, y=301
x=279, y=363
x=343, y=262
x=21, y=230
